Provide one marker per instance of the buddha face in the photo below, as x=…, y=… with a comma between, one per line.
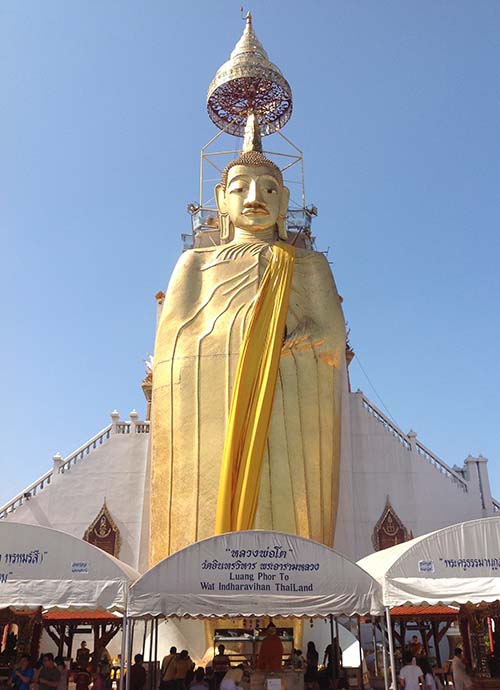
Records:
x=253, y=198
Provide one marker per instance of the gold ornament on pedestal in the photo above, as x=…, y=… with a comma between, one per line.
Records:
x=250, y=350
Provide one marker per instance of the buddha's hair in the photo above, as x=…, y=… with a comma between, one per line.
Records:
x=255, y=159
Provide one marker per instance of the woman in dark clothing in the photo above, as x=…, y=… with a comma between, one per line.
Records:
x=312, y=661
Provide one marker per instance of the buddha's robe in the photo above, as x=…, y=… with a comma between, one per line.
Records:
x=206, y=307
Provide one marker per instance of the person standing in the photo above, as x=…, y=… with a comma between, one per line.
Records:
x=62, y=683
x=49, y=675
x=410, y=675
x=82, y=656
x=416, y=648
x=461, y=679
x=23, y=674
x=104, y=665
x=183, y=666
x=167, y=673
x=429, y=678
x=312, y=662
x=331, y=659
x=271, y=651
x=220, y=664
x=137, y=673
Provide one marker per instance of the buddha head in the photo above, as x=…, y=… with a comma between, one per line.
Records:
x=251, y=196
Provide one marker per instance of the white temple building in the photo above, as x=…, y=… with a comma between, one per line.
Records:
x=392, y=486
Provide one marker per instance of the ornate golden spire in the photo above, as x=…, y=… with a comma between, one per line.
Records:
x=249, y=83
x=249, y=43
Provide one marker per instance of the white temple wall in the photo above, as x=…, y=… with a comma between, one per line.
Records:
x=381, y=467
x=477, y=474
x=442, y=502
x=116, y=472
x=143, y=553
x=377, y=461
x=385, y=463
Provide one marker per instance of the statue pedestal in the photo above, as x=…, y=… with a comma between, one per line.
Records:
x=286, y=679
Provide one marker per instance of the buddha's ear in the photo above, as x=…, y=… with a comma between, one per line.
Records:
x=225, y=225
x=281, y=223
x=220, y=198
x=284, y=201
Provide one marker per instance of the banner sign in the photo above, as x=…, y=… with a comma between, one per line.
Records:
x=48, y=568
x=245, y=569
x=467, y=550
x=455, y=565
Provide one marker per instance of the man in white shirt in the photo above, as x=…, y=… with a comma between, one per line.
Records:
x=410, y=675
x=461, y=679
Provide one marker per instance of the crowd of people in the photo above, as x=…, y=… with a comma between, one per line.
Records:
x=48, y=673
x=178, y=672
x=418, y=674
x=52, y=673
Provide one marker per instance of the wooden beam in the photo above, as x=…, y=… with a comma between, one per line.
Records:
x=403, y=626
x=71, y=635
x=437, y=639
x=444, y=630
x=52, y=633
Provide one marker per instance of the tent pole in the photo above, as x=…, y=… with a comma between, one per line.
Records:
x=144, y=638
x=156, y=652
x=374, y=643
x=130, y=646
x=384, y=654
x=391, y=646
x=123, y=649
x=331, y=660
x=360, y=653
x=151, y=635
x=339, y=648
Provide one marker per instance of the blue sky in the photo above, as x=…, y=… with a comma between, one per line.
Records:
x=396, y=107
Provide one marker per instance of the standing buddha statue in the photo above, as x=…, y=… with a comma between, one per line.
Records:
x=248, y=360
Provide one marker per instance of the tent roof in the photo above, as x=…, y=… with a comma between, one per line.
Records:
x=52, y=569
x=452, y=566
x=425, y=612
x=81, y=617
x=255, y=573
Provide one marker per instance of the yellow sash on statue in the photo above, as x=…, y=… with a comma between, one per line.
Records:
x=252, y=396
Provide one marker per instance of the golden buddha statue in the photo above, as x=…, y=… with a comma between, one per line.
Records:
x=247, y=378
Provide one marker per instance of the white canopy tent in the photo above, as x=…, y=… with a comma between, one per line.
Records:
x=252, y=573
x=455, y=565
x=255, y=573
x=48, y=568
